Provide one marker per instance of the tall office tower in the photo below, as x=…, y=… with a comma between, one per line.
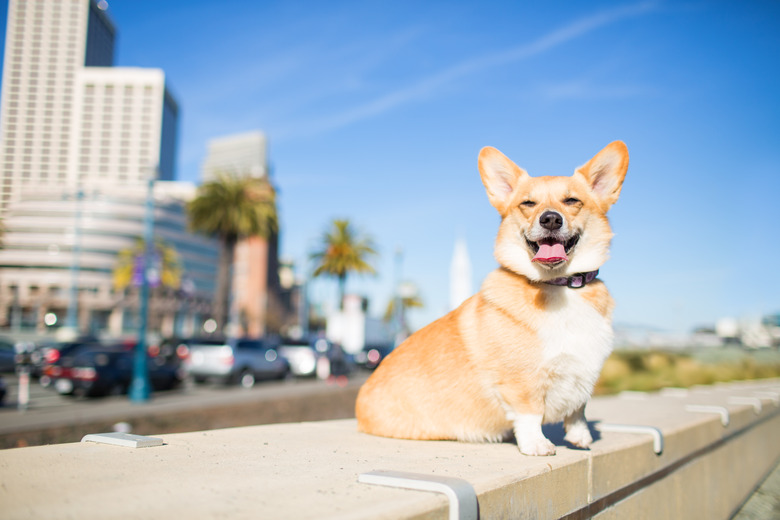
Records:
x=79, y=140
x=241, y=154
x=66, y=116
x=124, y=129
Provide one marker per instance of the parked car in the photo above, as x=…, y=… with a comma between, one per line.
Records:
x=318, y=356
x=301, y=356
x=371, y=356
x=98, y=370
x=7, y=355
x=173, y=349
x=242, y=361
x=50, y=353
x=3, y=391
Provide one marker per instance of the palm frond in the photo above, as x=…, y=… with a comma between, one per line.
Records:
x=127, y=260
x=343, y=251
x=234, y=206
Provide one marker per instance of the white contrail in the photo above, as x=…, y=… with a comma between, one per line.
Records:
x=469, y=67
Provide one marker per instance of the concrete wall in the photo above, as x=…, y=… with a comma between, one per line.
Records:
x=310, y=470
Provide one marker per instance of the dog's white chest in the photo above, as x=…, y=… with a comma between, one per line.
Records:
x=576, y=340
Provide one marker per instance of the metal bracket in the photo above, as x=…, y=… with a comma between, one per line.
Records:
x=774, y=396
x=128, y=440
x=705, y=408
x=755, y=402
x=461, y=495
x=658, y=437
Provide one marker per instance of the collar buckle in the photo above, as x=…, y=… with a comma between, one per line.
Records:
x=576, y=281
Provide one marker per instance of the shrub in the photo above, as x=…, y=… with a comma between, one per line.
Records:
x=652, y=370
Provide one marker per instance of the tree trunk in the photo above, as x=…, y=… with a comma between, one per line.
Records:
x=342, y=289
x=224, y=283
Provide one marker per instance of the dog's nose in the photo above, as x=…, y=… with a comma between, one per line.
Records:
x=551, y=220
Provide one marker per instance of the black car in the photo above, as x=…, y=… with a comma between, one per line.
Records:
x=7, y=355
x=93, y=371
x=47, y=354
x=3, y=391
x=372, y=355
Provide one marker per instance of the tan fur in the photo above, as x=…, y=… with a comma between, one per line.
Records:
x=519, y=352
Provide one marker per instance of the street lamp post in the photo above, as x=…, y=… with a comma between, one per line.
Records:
x=140, y=389
x=73, y=304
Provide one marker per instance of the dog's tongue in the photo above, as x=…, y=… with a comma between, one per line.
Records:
x=550, y=252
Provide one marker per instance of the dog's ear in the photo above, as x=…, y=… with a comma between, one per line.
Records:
x=499, y=175
x=606, y=171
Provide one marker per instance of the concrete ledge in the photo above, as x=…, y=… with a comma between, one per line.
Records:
x=177, y=412
x=310, y=470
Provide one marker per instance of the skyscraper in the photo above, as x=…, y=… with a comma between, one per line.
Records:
x=67, y=117
x=241, y=154
x=79, y=139
x=124, y=127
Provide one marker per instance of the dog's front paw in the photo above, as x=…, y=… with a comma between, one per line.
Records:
x=579, y=435
x=537, y=447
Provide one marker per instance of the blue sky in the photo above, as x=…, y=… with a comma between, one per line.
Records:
x=376, y=111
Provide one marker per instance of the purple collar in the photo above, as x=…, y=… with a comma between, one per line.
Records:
x=576, y=281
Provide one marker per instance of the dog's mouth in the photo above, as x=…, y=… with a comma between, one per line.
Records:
x=552, y=251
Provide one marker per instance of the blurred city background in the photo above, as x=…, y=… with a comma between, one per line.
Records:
x=185, y=173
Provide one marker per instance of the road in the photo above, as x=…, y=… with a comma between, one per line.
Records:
x=40, y=398
x=45, y=401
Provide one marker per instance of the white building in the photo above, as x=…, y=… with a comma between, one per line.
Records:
x=124, y=127
x=47, y=43
x=66, y=115
x=353, y=329
x=241, y=154
x=54, y=239
x=71, y=123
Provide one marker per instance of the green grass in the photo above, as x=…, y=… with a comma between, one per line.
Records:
x=650, y=370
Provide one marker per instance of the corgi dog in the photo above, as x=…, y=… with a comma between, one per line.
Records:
x=528, y=348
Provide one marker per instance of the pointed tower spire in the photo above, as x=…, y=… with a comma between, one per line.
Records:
x=460, y=274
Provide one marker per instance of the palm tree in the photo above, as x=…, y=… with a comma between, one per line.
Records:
x=165, y=257
x=232, y=207
x=406, y=298
x=343, y=251
x=407, y=302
